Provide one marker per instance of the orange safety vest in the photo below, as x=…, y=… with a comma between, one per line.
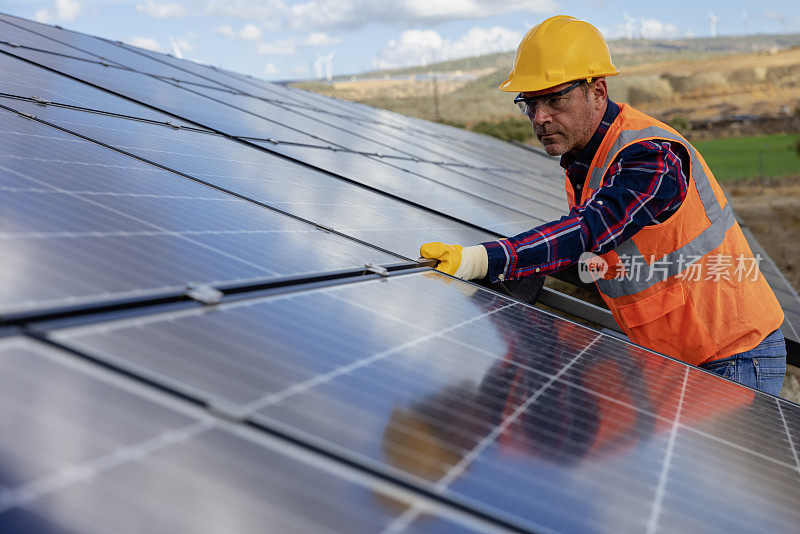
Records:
x=688, y=287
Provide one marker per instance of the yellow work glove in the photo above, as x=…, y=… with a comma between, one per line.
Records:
x=466, y=263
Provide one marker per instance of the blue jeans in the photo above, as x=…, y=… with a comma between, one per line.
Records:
x=761, y=367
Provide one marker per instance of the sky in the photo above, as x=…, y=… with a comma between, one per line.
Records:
x=303, y=39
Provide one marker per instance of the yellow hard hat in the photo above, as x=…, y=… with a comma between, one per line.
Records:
x=558, y=50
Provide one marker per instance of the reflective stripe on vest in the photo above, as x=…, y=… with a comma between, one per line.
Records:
x=668, y=265
x=707, y=197
x=659, y=298
x=672, y=264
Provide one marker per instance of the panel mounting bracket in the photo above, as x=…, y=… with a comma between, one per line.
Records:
x=377, y=269
x=204, y=293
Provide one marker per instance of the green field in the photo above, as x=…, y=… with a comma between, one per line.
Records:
x=751, y=157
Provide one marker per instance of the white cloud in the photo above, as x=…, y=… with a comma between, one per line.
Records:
x=655, y=29
x=61, y=10
x=270, y=69
x=644, y=28
x=774, y=15
x=334, y=16
x=485, y=41
x=354, y=14
x=225, y=30
x=415, y=47
x=275, y=48
x=161, y=10
x=148, y=43
x=250, y=32
x=269, y=14
x=320, y=39
x=185, y=44
x=299, y=71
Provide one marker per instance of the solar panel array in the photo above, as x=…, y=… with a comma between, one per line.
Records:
x=213, y=321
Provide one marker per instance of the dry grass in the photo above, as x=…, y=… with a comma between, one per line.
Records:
x=746, y=84
x=772, y=211
x=764, y=84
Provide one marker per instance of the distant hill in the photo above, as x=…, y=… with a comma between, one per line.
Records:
x=624, y=52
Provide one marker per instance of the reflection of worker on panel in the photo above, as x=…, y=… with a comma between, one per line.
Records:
x=677, y=272
x=599, y=408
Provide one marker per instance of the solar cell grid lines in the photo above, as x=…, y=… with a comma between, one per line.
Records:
x=120, y=455
x=492, y=399
x=196, y=74
x=169, y=74
x=43, y=37
x=422, y=190
x=425, y=193
x=267, y=179
x=80, y=196
x=310, y=388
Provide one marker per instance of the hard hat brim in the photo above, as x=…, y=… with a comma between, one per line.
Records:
x=518, y=84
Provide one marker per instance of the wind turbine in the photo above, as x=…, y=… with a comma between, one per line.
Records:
x=329, y=66
x=712, y=23
x=629, y=22
x=176, y=51
x=745, y=19
x=318, y=67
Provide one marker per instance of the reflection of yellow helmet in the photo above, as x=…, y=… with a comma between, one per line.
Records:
x=559, y=50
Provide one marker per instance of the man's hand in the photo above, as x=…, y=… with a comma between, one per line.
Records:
x=466, y=263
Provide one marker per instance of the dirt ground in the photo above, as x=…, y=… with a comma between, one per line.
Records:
x=772, y=211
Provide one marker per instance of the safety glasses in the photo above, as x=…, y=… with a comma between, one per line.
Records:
x=551, y=103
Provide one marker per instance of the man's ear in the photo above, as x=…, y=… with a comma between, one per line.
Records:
x=598, y=91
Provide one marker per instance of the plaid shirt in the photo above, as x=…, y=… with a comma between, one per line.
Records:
x=645, y=185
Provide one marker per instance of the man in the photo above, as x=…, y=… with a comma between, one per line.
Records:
x=676, y=270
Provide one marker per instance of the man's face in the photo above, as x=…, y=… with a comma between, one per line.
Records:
x=568, y=129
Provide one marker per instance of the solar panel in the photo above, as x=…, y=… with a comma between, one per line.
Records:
x=268, y=179
x=457, y=199
x=99, y=452
x=43, y=37
x=81, y=222
x=378, y=175
x=547, y=423
x=305, y=399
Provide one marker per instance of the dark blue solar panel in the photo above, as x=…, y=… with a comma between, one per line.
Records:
x=450, y=199
x=530, y=420
x=81, y=222
x=266, y=178
x=43, y=37
x=92, y=453
x=514, y=411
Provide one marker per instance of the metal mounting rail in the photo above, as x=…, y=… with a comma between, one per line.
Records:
x=209, y=295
